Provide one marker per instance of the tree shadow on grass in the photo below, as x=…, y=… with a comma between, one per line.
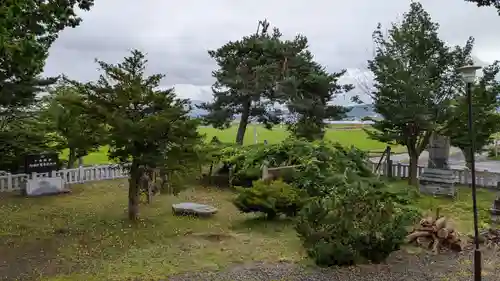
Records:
x=263, y=225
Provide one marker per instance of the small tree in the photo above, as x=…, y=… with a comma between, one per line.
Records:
x=247, y=79
x=415, y=77
x=73, y=127
x=486, y=120
x=146, y=126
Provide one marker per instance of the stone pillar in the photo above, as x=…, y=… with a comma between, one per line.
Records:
x=439, y=152
x=437, y=178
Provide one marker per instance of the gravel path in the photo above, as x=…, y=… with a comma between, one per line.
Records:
x=400, y=266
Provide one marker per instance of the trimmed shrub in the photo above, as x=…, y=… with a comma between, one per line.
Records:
x=272, y=199
x=356, y=223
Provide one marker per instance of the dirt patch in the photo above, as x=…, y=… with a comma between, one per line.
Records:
x=31, y=259
x=210, y=236
x=401, y=266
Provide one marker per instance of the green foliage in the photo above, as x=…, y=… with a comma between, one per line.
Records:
x=485, y=3
x=74, y=128
x=272, y=199
x=358, y=222
x=310, y=88
x=320, y=163
x=20, y=137
x=149, y=127
x=246, y=82
x=145, y=124
x=486, y=120
x=415, y=78
x=27, y=30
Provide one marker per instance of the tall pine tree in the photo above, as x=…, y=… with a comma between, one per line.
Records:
x=147, y=126
x=248, y=78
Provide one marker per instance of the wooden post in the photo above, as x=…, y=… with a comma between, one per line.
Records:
x=389, y=162
x=210, y=173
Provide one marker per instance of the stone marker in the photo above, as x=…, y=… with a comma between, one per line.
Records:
x=44, y=186
x=437, y=178
x=193, y=209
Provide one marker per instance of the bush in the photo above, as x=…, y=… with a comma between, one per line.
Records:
x=245, y=178
x=272, y=199
x=356, y=223
x=319, y=157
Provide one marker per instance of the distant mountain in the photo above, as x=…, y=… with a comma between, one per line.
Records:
x=357, y=112
x=360, y=111
x=197, y=112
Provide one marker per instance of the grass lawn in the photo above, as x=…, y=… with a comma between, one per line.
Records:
x=356, y=137
x=99, y=157
x=460, y=210
x=83, y=235
x=86, y=237
x=338, y=133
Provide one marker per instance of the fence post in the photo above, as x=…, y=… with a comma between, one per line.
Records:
x=9, y=186
x=389, y=162
x=398, y=171
x=81, y=173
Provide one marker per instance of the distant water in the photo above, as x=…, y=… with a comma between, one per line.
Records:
x=357, y=112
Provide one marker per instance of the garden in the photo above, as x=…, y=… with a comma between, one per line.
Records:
x=298, y=202
x=298, y=220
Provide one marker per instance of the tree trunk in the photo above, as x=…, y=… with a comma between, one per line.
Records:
x=467, y=157
x=245, y=114
x=133, y=191
x=71, y=158
x=412, y=179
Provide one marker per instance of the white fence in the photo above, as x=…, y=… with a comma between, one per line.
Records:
x=13, y=182
x=483, y=178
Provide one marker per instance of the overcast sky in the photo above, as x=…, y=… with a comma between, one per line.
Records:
x=177, y=34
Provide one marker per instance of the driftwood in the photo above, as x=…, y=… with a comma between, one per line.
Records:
x=436, y=233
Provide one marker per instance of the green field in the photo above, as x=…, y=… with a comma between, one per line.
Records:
x=346, y=135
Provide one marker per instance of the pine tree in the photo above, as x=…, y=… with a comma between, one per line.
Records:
x=146, y=126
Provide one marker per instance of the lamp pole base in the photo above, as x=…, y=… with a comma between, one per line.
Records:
x=477, y=265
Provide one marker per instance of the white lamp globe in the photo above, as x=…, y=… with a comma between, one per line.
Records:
x=469, y=72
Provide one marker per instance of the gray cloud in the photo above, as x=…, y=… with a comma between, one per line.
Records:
x=176, y=35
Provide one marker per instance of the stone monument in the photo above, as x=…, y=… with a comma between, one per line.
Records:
x=50, y=183
x=437, y=178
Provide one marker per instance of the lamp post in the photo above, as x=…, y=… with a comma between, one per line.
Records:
x=469, y=75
